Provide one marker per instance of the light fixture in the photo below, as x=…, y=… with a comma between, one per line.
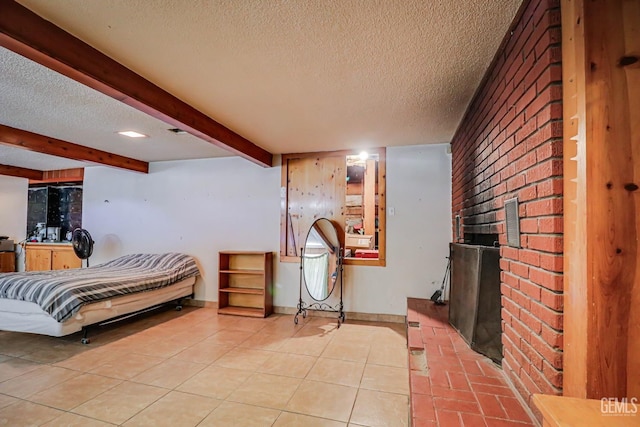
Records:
x=133, y=134
x=363, y=155
x=177, y=131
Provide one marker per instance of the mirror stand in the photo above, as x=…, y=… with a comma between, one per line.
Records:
x=319, y=305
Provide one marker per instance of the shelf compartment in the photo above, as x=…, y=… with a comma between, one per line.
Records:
x=242, y=311
x=250, y=291
x=256, y=272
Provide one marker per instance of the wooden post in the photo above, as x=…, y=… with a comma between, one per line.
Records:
x=601, y=83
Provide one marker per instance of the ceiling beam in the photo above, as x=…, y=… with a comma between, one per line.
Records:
x=31, y=36
x=57, y=147
x=21, y=172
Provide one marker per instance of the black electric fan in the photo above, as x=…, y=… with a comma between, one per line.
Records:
x=82, y=243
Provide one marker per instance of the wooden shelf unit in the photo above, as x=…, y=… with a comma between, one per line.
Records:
x=245, y=283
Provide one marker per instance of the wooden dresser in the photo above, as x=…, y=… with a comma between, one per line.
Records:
x=50, y=256
x=7, y=262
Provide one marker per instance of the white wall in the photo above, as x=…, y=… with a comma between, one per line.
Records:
x=203, y=206
x=13, y=210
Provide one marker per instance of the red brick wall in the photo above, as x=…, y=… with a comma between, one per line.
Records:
x=510, y=144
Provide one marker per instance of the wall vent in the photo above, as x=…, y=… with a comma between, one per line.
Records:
x=513, y=222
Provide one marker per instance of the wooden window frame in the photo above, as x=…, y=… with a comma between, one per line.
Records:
x=382, y=230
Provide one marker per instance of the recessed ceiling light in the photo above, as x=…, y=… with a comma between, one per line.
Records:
x=177, y=131
x=363, y=155
x=133, y=134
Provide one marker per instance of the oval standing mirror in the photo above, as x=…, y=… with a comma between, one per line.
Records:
x=320, y=261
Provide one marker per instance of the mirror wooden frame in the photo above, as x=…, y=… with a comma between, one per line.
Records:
x=336, y=215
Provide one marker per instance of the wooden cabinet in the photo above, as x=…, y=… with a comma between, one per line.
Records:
x=42, y=256
x=7, y=262
x=245, y=283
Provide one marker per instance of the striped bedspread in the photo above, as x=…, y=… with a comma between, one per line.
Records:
x=62, y=293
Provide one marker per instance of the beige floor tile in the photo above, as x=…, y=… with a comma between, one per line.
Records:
x=54, y=352
x=164, y=347
x=127, y=367
x=204, y=352
x=74, y=420
x=13, y=367
x=288, y=419
x=27, y=414
x=270, y=391
x=385, y=378
x=283, y=327
x=237, y=414
x=307, y=345
x=227, y=337
x=215, y=381
x=264, y=341
x=36, y=380
x=88, y=360
x=169, y=374
x=388, y=355
x=288, y=365
x=345, y=351
x=243, y=358
x=121, y=402
x=324, y=328
x=357, y=336
x=175, y=409
x=17, y=345
x=343, y=372
x=77, y=390
x=247, y=324
x=7, y=400
x=379, y=409
x=325, y=400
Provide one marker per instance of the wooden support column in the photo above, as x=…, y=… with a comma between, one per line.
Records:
x=601, y=83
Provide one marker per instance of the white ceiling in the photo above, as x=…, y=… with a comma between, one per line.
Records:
x=290, y=76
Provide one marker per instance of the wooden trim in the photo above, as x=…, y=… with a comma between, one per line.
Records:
x=575, y=227
x=31, y=36
x=57, y=147
x=369, y=197
x=379, y=150
x=60, y=175
x=20, y=172
x=601, y=73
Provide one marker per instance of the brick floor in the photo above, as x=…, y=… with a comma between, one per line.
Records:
x=452, y=385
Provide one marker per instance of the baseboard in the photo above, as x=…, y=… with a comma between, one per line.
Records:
x=365, y=317
x=201, y=303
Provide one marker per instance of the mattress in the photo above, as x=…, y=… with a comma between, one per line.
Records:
x=25, y=316
x=61, y=293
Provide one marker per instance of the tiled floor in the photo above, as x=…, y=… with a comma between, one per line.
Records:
x=195, y=368
x=451, y=385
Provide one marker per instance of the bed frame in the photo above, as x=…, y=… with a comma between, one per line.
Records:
x=24, y=316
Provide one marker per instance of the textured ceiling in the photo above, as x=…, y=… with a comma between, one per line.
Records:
x=292, y=76
x=36, y=99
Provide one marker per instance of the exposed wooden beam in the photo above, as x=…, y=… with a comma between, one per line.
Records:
x=29, y=35
x=56, y=147
x=20, y=172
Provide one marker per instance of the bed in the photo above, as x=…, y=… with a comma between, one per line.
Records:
x=63, y=302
